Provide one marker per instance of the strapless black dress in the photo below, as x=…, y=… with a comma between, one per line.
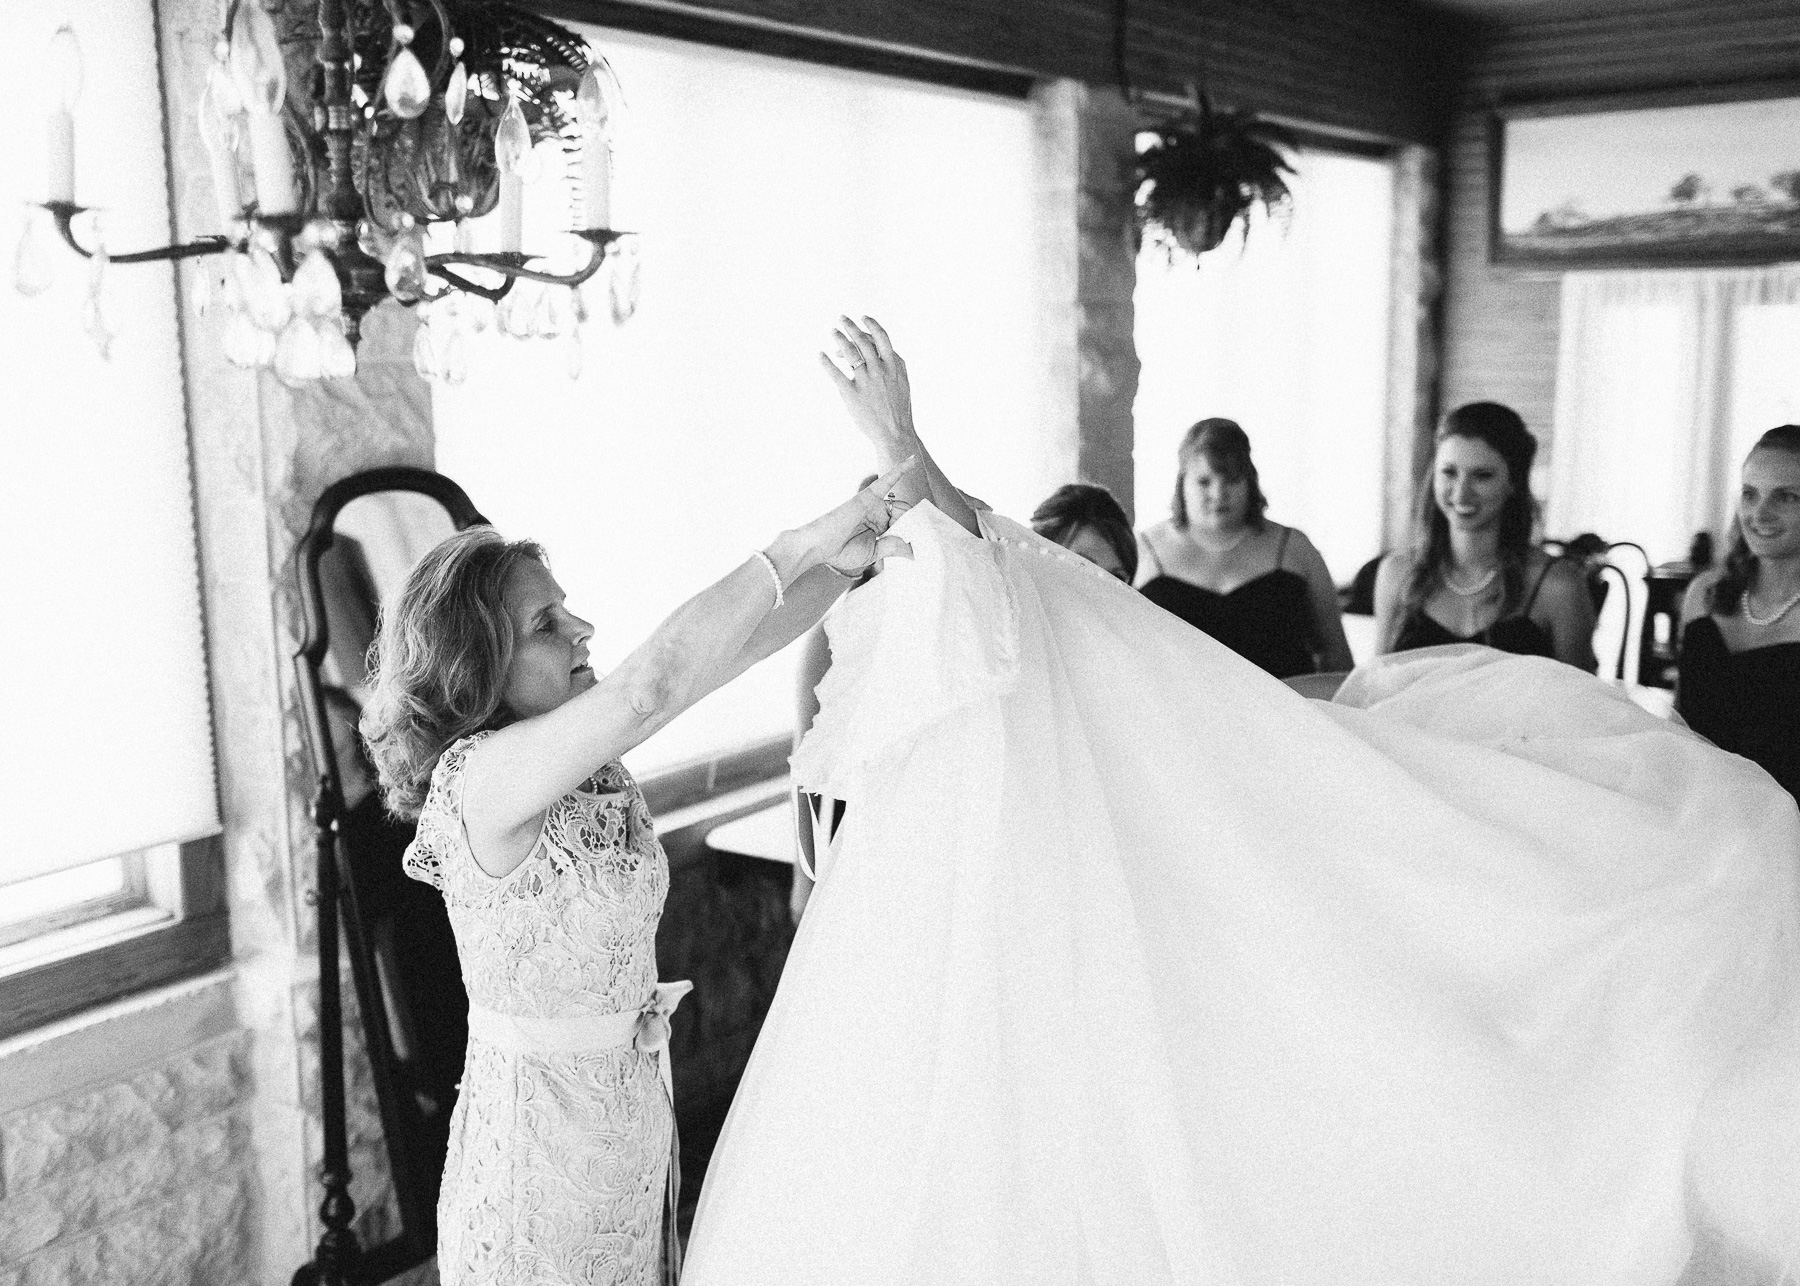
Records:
x=1267, y=621
x=1518, y=634
x=1746, y=702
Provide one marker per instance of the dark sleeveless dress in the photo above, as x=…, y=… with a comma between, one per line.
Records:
x=1746, y=702
x=1267, y=620
x=1518, y=634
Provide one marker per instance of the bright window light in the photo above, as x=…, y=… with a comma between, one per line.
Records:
x=108, y=746
x=1286, y=333
x=772, y=196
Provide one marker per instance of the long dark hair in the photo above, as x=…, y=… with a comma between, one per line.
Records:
x=1740, y=564
x=1075, y=505
x=1501, y=428
x=1226, y=447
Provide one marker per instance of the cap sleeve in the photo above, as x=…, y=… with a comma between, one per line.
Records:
x=440, y=835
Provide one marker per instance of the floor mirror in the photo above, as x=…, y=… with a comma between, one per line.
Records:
x=366, y=533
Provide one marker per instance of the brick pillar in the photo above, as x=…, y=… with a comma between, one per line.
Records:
x=1417, y=290
x=1087, y=271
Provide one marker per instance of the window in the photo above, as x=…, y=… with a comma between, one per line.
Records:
x=1664, y=381
x=1286, y=333
x=772, y=196
x=106, y=772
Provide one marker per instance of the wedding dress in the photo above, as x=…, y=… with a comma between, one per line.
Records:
x=1136, y=967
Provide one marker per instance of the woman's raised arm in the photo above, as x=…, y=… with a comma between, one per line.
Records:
x=526, y=766
x=878, y=396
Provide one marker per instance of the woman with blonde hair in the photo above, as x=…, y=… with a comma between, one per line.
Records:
x=488, y=724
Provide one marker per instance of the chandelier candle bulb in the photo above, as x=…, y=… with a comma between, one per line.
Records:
x=261, y=76
x=218, y=105
x=512, y=144
x=596, y=151
x=59, y=140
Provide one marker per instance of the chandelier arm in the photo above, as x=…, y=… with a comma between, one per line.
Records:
x=513, y=265
x=64, y=213
x=494, y=294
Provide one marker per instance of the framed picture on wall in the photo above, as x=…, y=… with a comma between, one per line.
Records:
x=1686, y=178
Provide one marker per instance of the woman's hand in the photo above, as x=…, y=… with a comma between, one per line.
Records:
x=851, y=538
x=878, y=396
x=876, y=391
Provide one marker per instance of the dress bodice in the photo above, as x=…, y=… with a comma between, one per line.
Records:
x=1267, y=620
x=558, y=1161
x=572, y=929
x=1518, y=633
x=1746, y=702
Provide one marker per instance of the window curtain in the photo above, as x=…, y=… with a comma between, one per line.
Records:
x=1664, y=379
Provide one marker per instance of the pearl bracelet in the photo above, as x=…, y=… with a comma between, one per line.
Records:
x=773, y=575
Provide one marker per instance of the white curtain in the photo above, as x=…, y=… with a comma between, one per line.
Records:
x=1664, y=379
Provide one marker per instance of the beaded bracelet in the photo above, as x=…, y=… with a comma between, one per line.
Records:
x=773, y=575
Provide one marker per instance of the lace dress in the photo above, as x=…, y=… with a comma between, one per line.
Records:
x=560, y=1146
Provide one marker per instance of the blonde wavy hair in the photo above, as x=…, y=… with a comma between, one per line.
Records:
x=438, y=666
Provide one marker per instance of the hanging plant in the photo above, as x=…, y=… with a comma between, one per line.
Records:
x=1197, y=179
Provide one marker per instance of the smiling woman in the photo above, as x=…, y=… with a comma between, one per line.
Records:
x=1473, y=574
x=1740, y=647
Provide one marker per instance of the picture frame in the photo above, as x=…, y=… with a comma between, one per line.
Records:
x=1678, y=178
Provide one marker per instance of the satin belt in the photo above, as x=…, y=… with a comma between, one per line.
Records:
x=645, y=1028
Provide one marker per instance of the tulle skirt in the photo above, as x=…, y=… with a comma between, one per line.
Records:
x=1133, y=966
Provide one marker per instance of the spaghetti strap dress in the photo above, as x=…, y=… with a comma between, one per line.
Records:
x=1267, y=620
x=1746, y=702
x=1518, y=633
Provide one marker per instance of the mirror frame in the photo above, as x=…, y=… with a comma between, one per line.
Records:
x=340, y=1259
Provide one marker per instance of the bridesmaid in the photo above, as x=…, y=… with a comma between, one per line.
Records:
x=1740, y=640
x=1473, y=574
x=1256, y=586
x=487, y=723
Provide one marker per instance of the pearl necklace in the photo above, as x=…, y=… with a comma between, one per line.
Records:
x=1472, y=590
x=1779, y=612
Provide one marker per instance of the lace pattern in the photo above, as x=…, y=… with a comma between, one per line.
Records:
x=557, y=1163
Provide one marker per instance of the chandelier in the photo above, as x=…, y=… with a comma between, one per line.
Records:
x=417, y=118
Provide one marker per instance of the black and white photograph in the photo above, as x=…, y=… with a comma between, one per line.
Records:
x=1651, y=181
x=888, y=643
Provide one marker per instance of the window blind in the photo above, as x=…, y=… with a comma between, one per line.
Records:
x=107, y=745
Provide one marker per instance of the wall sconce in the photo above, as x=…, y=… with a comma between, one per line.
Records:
x=420, y=112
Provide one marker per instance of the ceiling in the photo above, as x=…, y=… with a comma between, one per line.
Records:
x=1516, y=10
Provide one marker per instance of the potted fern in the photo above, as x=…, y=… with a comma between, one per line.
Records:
x=1200, y=177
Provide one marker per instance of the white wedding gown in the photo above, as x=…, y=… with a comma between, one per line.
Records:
x=1135, y=967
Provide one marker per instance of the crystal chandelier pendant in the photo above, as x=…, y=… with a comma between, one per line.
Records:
x=316, y=289
x=456, y=93
x=266, y=296
x=424, y=352
x=406, y=87
x=247, y=344
x=297, y=355
x=454, y=358
x=514, y=315
x=337, y=360
x=623, y=281
x=406, y=268
x=34, y=269
x=572, y=353
x=93, y=316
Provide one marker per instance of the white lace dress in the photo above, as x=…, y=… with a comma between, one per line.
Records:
x=558, y=1169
